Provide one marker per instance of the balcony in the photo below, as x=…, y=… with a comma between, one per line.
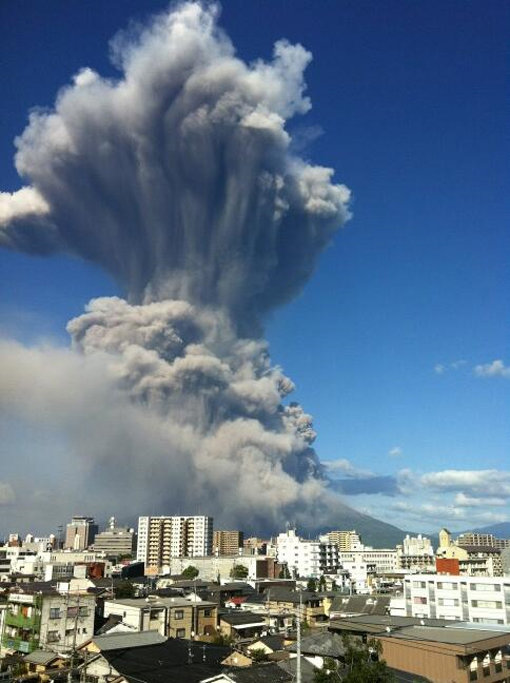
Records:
x=21, y=621
x=20, y=645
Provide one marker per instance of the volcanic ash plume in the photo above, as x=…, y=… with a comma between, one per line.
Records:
x=178, y=179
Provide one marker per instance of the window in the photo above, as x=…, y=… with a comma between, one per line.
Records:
x=418, y=600
x=207, y=612
x=54, y=613
x=446, y=585
x=84, y=612
x=488, y=604
x=495, y=587
x=448, y=602
x=419, y=584
x=52, y=637
x=180, y=633
x=179, y=614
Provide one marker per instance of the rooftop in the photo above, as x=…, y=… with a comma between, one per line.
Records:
x=172, y=661
x=117, y=641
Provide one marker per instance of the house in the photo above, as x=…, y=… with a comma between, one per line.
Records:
x=351, y=605
x=174, y=616
x=170, y=661
x=288, y=602
x=320, y=645
x=45, y=663
x=268, y=644
x=242, y=625
x=262, y=673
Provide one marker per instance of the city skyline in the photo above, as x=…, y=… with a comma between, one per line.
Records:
x=398, y=344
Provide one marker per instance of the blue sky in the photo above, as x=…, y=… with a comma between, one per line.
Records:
x=393, y=343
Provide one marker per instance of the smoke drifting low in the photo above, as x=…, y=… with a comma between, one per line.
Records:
x=178, y=179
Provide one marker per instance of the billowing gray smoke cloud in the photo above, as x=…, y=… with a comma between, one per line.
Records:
x=178, y=179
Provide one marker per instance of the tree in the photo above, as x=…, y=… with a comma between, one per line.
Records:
x=330, y=672
x=311, y=585
x=222, y=639
x=322, y=583
x=361, y=660
x=124, y=589
x=239, y=571
x=190, y=572
x=258, y=654
x=284, y=572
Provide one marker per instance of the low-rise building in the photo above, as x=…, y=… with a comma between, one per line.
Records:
x=39, y=616
x=480, y=600
x=172, y=617
x=435, y=650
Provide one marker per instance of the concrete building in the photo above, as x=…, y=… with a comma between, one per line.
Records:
x=435, y=650
x=416, y=554
x=228, y=542
x=115, y=541
x=212, y=567
x=484, y=600
x=171, y=617
x=384, y=559
x=345, y=540
x=474, y=560
x=472, y=538
x=306, y=558
x=80, y=533
x=38, y=616
x=255, y=546
x=162, y=538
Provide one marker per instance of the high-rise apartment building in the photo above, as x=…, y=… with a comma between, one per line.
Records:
x=345, y=540
x=227, y=542
x=80, y=533
x=161, y=538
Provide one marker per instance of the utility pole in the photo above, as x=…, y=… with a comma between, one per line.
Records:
x=298, y=642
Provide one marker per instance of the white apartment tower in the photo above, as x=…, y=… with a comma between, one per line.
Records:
x=161, y=538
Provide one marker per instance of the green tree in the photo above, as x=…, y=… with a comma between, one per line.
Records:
x=124, y=589
x=190, y=572
x=222, y=639
x=330, y=672
x=239, y=571
x=322, y=583
x=311, y=585
x=362, y=663
x=258, y=654
x=284, y=572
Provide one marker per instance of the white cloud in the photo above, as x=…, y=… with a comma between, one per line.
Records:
x=395, y=452
x=26, y=202
x=472, y=502
x=441, y=368
x=495, y=369
x=483, y=483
